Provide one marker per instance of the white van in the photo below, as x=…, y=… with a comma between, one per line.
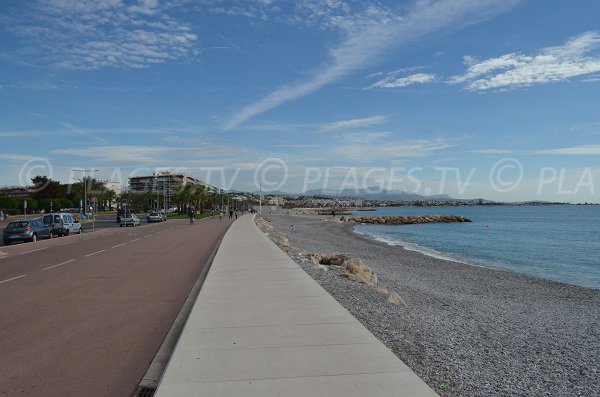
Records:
x=62, y=223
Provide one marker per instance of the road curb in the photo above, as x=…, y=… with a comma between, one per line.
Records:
x=151, y=379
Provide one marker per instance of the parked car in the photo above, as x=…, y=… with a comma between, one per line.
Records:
x=130, y=218
x=25, y=230
x=62, y=223
x=155, y=217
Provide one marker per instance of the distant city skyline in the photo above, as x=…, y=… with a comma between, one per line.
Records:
x=495, y=99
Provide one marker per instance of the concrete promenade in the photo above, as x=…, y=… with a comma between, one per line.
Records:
x=262, y=327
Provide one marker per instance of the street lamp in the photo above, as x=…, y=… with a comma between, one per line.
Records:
x=85, y=171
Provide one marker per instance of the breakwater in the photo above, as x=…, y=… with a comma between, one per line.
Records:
x=406, y=220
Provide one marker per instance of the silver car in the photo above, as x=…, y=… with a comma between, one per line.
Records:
x=130, y=219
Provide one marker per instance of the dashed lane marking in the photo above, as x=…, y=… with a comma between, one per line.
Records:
x=94, y=253
x=118, y=245
x=60, y=264
x=29, y=252
x=11, y=279
x=132, y=241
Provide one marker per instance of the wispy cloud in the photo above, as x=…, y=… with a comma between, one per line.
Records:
x=375, y=149
x=584, y=150
x=368, y=36
x=354, y=123
x=394, y=82
x=205, y=154
x=84, y=35
x=579, y=56
x=491, y=151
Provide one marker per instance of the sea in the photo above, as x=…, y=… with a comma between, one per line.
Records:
x=553, y=242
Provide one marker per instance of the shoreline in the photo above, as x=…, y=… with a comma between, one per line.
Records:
x=467, y=262
x=467, y=330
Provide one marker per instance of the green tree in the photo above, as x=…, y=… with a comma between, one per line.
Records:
x=8, y=203
x=32, y=205
x=198, y=195
x=46, y=188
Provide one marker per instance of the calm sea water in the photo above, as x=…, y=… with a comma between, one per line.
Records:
x=560, y=243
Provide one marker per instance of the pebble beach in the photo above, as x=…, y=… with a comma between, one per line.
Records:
x=466, y=330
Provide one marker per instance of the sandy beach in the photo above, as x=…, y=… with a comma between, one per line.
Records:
x=465, y=330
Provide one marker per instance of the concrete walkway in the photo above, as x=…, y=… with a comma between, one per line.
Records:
x=262, y=327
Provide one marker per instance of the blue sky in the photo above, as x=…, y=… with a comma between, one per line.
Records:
x=472, y=98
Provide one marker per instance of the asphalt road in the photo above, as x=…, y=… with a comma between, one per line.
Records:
x=84, y=315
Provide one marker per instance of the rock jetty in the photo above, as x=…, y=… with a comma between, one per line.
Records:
x=321, y=211
x=406, y=220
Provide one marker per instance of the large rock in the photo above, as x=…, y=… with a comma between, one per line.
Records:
x=335, y=259
x=357, y=271
x=396, y=299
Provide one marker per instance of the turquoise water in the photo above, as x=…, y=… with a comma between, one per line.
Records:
x=560, y=243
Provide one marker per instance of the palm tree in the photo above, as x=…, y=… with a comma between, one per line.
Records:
x=109, y=197
x=198, y=195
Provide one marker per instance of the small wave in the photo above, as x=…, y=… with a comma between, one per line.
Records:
x=395, y=242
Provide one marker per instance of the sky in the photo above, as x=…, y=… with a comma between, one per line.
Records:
x=471, y=98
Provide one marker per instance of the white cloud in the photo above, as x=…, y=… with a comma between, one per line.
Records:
x=86, y=35
x=584, y=150
x=577, y=57
x=386, y=151
x=365, y=137
x=117, y=155
x=393, y=82
x=491, y=151
x=368, y=36
x=354, y=123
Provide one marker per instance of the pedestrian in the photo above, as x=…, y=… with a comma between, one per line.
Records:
x=1, y=215
x=230, y=214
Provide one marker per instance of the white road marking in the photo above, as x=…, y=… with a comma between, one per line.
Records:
x=29, y=252
x=11, y=279
x=148, y=235
x=60, y=264
x=118, y=245
x=90, y=238
x=68, y=242
x=132, y=241
x=94, y=253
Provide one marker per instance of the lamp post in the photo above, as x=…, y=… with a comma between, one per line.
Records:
x=85, y=171
x=260, y=199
